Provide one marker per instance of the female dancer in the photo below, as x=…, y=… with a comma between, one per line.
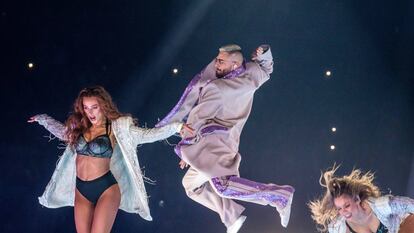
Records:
x=99, y=170
x=353, y=204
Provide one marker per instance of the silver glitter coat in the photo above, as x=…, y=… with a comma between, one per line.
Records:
x=124, y=165
x=390, y=210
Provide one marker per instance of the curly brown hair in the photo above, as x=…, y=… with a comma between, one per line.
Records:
x=356, y=184
x=78, y=123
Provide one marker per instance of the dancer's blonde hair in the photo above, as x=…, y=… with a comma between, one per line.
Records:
x=356, y=185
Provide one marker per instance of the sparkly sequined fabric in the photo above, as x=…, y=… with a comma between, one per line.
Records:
x=390, y=211
x=124, y=165
x=53, y=126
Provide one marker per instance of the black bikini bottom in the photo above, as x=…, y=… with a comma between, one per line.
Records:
x=93, y=189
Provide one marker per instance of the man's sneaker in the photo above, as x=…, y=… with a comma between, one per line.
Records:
x=235, y=227
x=285, y=212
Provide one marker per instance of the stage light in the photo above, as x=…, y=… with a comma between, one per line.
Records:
x=30, y=65
x=175, y=71
x=333, y=129
x=332, y=147
x=161, y=203
x=328, y=73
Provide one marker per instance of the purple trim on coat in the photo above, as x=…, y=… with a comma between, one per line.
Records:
x=205, y=131
x=180, y=102
x=261, y=186
x=218, y=185
x=177, y=150
x=237, y=72
x=211, y=129
x=184, y=141
x=226, y=191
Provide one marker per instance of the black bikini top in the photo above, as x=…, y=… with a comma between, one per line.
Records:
x=99, y=147
x=381, y=228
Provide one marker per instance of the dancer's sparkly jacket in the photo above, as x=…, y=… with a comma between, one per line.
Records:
x=124, y=165
x=390, y=210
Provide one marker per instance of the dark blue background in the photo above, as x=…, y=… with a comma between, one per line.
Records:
x=130, y=47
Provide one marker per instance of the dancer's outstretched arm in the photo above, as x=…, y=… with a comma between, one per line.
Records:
x=57, y=128
x=148, y=135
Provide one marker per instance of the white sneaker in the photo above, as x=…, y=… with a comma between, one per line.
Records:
x=235, y=227
x=285, y=212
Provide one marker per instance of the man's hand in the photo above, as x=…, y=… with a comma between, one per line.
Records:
x=186, y=130
x=182, y=164
x=259, y=51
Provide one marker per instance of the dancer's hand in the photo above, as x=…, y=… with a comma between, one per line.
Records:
x=186, y=130
x=259, y=51
x=182, y=164
x=32, y=119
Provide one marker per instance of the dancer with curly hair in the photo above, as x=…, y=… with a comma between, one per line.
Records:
x=99, y=171
x=353, y=204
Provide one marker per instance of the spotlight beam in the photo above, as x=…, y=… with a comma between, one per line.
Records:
x=134, y=93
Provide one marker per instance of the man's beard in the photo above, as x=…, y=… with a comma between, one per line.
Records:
x=222, y=73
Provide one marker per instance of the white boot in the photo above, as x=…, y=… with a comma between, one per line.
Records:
x=235, y=227
x=285, y=212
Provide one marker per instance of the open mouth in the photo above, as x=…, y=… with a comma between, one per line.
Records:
x=92, y=118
